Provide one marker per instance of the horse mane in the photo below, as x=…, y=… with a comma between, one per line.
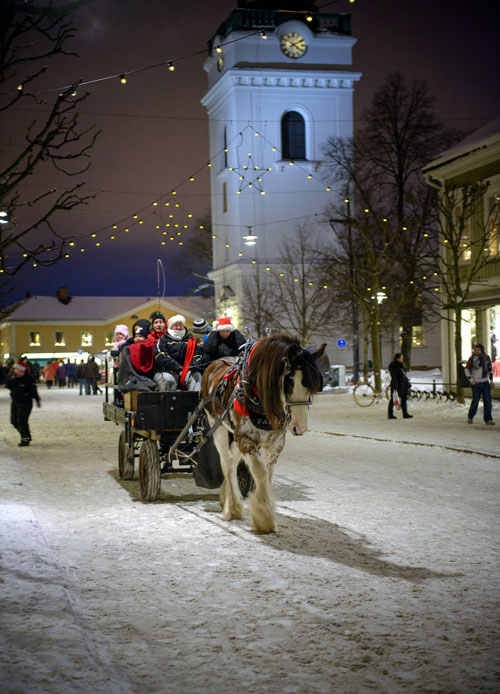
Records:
x=267, y=368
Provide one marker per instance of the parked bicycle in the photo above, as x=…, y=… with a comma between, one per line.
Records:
x=365, y=393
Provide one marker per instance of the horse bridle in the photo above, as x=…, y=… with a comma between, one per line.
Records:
x=295, y=403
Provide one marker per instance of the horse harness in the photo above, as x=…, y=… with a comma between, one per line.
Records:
x=247, y=403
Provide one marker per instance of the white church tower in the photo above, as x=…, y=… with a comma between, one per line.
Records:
x=280, y=84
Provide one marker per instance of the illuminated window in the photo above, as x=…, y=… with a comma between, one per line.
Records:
x=417, y=336
x=293, y=136
x=60, y=338
x=86, y=339
x=494, y=227
x=35, y=339
x=109, y=338
x=462, y=230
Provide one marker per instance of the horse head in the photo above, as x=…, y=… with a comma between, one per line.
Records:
x=285, y=376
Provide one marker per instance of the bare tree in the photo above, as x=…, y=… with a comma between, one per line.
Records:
x=293, y=295
x=29, y=35
x=381, y=170
x=469, y=241
x=196, y=257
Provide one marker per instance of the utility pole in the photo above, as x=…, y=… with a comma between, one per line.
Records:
x=354, y=306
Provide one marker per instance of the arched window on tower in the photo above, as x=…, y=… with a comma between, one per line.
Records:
x=293, y=136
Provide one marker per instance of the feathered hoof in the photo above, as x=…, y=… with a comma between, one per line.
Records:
x=232, y=514
x=263, y=530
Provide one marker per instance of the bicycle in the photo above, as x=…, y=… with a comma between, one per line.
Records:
x=365, y=394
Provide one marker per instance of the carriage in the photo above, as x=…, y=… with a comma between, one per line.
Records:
x=229, y=435
x=165, y=433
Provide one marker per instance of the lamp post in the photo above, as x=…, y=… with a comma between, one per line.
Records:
x=354, y=306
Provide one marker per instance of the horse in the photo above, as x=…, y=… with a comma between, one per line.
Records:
x=259, y=400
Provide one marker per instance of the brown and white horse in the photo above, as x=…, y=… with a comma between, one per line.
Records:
x=273, y=394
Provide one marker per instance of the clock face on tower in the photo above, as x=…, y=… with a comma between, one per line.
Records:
x=293, y=45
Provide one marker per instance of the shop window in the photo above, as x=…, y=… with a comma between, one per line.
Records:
x=60, y=339
x=293, y=136
x=109, y=338
x=86, y=339
x=35, y=338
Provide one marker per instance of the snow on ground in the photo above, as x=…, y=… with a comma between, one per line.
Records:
x=383, y=576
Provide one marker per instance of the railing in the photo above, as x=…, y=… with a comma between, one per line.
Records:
x=269, y=19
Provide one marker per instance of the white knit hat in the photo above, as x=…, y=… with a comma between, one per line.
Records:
x=176, y=319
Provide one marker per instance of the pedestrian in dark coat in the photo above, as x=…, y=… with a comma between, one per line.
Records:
x=223, y=341
x=400, y=386
x=22, y=393
x=92, y=374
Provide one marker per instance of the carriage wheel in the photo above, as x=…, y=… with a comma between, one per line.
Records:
x=125, y=459
x=149, y=471
x=364, y=394
x=245, y=480
x=388, y=392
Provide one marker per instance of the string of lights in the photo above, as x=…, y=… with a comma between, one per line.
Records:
x=122, y=76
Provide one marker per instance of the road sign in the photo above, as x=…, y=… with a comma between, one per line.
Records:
x=341, y=343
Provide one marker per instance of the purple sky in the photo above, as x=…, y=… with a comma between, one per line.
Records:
x=154, y=130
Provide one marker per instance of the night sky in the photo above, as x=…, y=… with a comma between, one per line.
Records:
x=155, y=131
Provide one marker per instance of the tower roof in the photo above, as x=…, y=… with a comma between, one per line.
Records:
x=262, y=14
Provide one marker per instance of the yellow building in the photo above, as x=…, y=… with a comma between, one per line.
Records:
x=63, y=327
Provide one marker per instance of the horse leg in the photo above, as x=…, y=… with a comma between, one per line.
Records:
x=230, y=495
x=261, y=501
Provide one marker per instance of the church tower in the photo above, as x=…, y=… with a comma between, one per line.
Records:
x=280, y=84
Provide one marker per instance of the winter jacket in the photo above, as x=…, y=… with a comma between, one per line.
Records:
x=22, y=388
x=399, y=380
x=81, y=371
x=216, y=347
x=170, y=353
x=479, y=368
x=91, y=371
x=49, y=371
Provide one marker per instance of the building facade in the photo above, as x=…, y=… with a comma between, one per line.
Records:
x=474, y=161
x=280, y=84
x=45, y=328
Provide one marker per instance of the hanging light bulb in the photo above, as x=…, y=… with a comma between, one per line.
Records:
x=263, y=34
x=171, y=66
x=123, y=79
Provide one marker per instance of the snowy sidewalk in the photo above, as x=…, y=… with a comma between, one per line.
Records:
x=383, y=576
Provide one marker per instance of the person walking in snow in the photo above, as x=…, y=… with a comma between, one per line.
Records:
x=23, y=391
x=400, y=386
x=479, y=371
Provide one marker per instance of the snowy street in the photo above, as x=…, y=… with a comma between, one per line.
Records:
x=383, y=575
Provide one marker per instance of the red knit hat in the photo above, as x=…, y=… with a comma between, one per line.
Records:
x=224, y=324
x=20, y=366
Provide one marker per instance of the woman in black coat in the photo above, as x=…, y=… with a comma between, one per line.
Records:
x=399, y=385
x=22, y=393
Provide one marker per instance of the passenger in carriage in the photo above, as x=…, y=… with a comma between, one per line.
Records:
x=158, y=322
x=141, y=329
x=179, y=360
x=223, y=341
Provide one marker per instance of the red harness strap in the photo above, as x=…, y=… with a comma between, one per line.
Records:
x=238, y=406
x=191, y=346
